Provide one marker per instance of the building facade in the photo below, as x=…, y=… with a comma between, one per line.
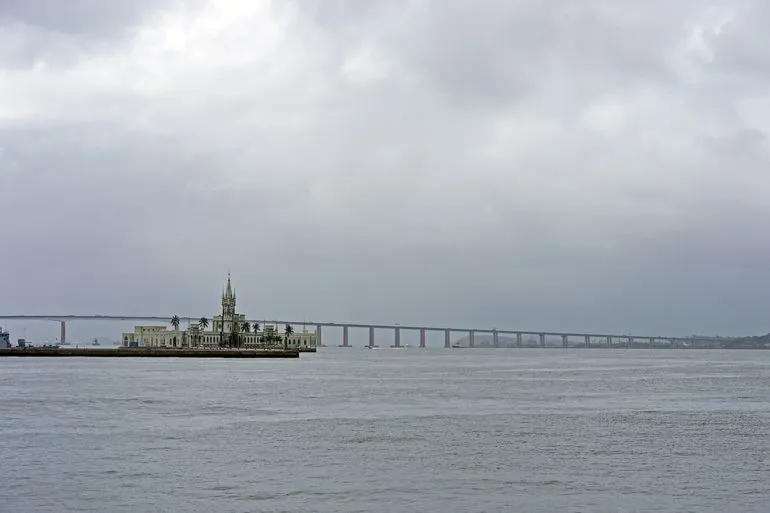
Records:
x=5, y=339
x=228, y=329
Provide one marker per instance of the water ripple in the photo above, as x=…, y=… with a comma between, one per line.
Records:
x=429, y=431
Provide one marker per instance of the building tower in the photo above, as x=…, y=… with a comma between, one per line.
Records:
x=228, y=301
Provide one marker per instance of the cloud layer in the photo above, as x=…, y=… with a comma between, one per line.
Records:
x=512, y=164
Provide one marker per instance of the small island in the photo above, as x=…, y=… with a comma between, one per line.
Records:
x=231, y=336
x=229, y=330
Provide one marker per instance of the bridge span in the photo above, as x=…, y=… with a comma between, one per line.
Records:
x=585, y=339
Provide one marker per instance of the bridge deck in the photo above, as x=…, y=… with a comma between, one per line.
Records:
x=165, y=320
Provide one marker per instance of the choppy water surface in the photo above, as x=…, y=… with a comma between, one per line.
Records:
x=389, y=430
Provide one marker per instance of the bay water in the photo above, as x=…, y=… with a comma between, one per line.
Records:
x=351, y=429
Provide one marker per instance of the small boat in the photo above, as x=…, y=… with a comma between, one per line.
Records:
x=457, y=346
x=372, y=347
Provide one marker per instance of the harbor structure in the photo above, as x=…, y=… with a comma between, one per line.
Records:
x=229, y=329
x=5, y=339
x=146, y=352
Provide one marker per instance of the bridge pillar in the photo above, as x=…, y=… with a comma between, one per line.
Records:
x=447, y=339
x=609, y=341
x=472, y=338
x=588, y=341
x=63, y=332
x=345, y=342
x=564, y=341
x=652, y=342
x=630, y=342
x=541, y=336
x=371, y=336
x=422, y=337
x=518, y=340
x=495, y=339
x=398, y=337
x=318, y=339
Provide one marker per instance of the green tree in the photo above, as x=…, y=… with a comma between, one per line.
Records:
x=246, y=327
x=175, y=322
x=287, y=333
x=203, y=323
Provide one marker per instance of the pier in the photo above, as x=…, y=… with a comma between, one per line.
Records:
x=145, y=352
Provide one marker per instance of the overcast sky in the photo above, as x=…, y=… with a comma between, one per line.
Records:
x=561, y=165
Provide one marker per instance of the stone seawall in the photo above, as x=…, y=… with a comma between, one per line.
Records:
x=148, y=352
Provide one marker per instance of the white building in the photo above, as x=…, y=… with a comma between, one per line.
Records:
x=228, y=329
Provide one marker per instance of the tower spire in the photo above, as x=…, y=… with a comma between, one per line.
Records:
x=229, y=288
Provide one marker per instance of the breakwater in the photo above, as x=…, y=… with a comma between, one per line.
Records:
x=147, y=352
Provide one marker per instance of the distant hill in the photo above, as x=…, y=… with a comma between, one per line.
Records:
x=698, y=342
x=758, y=342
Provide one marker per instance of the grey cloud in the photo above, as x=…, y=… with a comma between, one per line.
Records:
x=746, y=142
x=90, y=17
x=508, y=51
x=58, y=34
x=508, y=165
x=739, y=46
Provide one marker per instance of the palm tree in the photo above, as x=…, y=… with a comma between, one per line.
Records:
x=246, y=328
x=203, y=323
x=175, y=322
x=287, y=333
x=255, y=327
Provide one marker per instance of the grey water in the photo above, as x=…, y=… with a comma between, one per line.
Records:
x=389, y=430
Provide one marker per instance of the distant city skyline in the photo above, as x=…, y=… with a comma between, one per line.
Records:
x=582, y=167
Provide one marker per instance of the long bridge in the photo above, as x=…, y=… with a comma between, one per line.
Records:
x=586, y=339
